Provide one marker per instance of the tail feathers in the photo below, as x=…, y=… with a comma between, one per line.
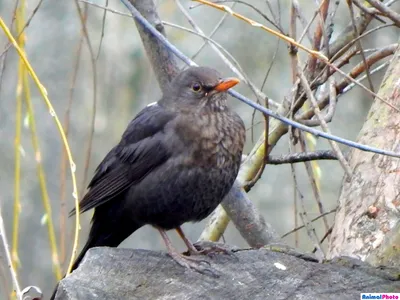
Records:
x=98, y=237
x=89, y=244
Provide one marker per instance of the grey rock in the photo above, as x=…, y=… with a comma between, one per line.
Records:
x=112, y=273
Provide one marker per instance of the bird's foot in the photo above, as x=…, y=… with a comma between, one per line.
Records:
x=211, y=248
x=188, y=262
x=202, y=248
x=193, y=264
x=193, y=250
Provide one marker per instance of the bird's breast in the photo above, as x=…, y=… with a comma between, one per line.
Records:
x=213, y=139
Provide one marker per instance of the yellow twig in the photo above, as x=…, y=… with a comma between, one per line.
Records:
x=259, y=25
x=23, y=87
x=20, y=11
x=17, y=170
x=42, y=179
x=43, y=92
x=311, y=143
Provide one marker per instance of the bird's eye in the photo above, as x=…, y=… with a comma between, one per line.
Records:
x=196, y=87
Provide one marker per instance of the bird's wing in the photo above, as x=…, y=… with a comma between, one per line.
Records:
x=140, y=150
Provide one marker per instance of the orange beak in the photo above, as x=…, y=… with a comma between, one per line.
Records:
x=226, y=83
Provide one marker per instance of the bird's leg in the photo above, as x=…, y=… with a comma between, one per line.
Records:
x=185, y=261
x=191, y=248
x=174, y=253
x=197, y=249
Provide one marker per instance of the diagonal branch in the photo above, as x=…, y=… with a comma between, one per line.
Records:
x=386, y=11
x=162, y=60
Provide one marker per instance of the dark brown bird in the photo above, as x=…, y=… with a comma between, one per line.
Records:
x=175, y=163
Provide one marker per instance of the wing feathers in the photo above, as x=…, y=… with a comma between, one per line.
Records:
x=108, y=187
x=140, y=151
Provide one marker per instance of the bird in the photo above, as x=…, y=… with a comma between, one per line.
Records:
x=175, y=162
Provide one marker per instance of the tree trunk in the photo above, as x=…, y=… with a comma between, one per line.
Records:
x=368, y=217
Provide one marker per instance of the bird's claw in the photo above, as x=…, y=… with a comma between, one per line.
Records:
x=194, y=264
x=190, y=258
x=212, y=249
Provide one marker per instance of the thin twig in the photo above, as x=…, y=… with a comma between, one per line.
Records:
x=42, y=180
x=322, y=11
x=313, y=183
x=83, y=18
x=271, y=64
x=259, y=25
x=368, y=10
x=273, y=23
x=28, y=22
x=327, y=233
x=355, y=72
x=373, y=71
x=219, y=49
x=120, y=13
x=301, y=157
x=312, y=235
x=355, y=39
x=277, y=19
x=323, y=124
x=296, y=189
x=312, y=220
x=63, y=208
x=306, y=26
x=103, y=25
x=241, y=74
x=24, y=88
x=247, y=187
x=343, y=38
x=3, y=237
x=17, y=155
x=386, y=11
x=293, y=35
x=52, y=112
x=359, y=44
x=317, y=54
x=4, y=54
x=214, y=31
x=331, y=108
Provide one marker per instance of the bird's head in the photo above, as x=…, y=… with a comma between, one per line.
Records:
x=198, y=87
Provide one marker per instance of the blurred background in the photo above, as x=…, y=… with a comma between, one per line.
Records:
x=125, y=84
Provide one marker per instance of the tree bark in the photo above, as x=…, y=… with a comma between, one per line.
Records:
x=368, y=216
x=164, y=63
x=110, y=273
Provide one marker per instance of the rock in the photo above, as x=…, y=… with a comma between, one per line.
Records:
x=112, y=273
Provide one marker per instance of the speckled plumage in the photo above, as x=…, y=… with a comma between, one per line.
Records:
x=174, y=164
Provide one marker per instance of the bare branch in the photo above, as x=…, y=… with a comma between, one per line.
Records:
x=359, y=45
x=4, y=241
x=323, y=124
x=312, y=220
x=355, y=72
x=250, y=224
x=301, y=157
x=163, y=61
x=386, y=11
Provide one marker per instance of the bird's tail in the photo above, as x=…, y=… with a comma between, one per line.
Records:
x=102, y=234
x=91, y=242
